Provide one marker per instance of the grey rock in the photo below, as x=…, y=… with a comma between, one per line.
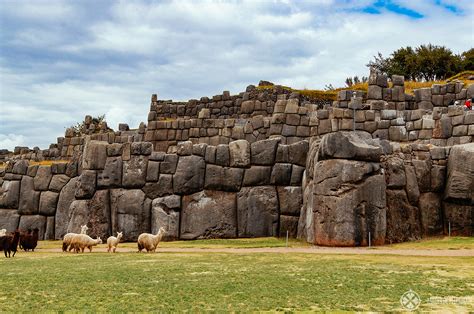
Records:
x=263, y=152
x=257, y=212
x=189, y=176
x=49, y=232
x=153, y=171
x=168, y=165
x=288, y=224
x=223, y=178
x=222, y=155
x=42, y=178
x=111, y=176
x=10, y=194
x=94, y=155
x=349, y=145
x=58, y=182
x=281, y=174
x=291, y=200
x=66, y=197
x=297, y=153
x=257, y=175
x=423, y=174
x=395, y=172
x=29, y=198
x=48, y=202
x=86, y=185
x=209, y=214
x=134, y=172
x=460, y=176
x=20, y=167
x=460, y=217
x=164, y=216
x=130, y=213
x=239, y=153
x=163, y=186
x=431, y=214
x=412, y=190
x=403, y=222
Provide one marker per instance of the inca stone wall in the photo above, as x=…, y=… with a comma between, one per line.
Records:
x=261, y=163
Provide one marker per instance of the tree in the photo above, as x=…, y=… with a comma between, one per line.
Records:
x=426, y=62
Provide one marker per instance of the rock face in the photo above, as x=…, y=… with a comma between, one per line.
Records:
x=350, y=145
x=399, y=209
x=10, y=194
x=460, y=182
x=349, y=202
x=189, y=176
x=130, y=213
x=257, y=212
x=209, y=214
x=29, y=198
x=165, y=213
x=9, y=219
x=66, y=197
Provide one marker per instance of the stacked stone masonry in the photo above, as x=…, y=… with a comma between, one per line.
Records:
x=261, y=163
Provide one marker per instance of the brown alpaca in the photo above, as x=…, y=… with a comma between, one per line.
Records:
x=9, y=243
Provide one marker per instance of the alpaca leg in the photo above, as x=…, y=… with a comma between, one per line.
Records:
x=108, y=249
x=114, y=248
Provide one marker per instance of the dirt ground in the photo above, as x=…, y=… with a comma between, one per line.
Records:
x=308, y=250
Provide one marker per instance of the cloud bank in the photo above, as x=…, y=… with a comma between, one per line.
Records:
x=61, y=60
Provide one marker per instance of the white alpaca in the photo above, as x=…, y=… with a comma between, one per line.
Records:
x=82, y=241
x=3, y=232
x=112, y=242
x=150, y=241
x=68, y=237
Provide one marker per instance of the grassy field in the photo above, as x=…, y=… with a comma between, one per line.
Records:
x=99, y=281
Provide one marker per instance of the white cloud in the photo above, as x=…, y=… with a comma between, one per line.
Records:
x=110, y=61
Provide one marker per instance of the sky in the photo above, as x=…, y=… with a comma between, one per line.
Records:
x=61, y=60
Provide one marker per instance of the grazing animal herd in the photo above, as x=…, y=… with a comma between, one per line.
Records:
x=28, y=240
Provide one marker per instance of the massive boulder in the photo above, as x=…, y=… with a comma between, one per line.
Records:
x=165, y=213
x=48, y=202
x=350, y=145
x=460, y=181
x=403, y=223
x=86, y=185
x=43, y=178
x=263, y=152
x=95, y=155
x=29, y=198
x=239, y=153
x=111, y=176
x=134, y=172
x=9, y=194
x=209, y=214
x=130, y=213
x=257, y=212
x=66, y=197
x=223, y=178
x=189, y=175
x=431, y=214
x=349, y=203
x=458, y=219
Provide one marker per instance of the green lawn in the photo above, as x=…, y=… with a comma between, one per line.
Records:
x=229, y=282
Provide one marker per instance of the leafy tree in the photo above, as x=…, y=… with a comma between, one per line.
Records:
x=426, y=62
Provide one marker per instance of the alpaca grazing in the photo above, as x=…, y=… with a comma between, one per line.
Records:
x=150, y=241
x=68, y=237
x=29, y=241
x=82, y=241
x=112, y=242
x=9, y=243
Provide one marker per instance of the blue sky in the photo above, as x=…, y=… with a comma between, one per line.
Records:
x=61, y=60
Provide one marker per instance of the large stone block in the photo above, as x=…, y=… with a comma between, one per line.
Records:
x=9, y=219
x=290, y=199
x=423, y=174
x=431, y=214
x=164, y=186
x=86, y=185
x=48, y=202
x=257, y=212
x=257, y=175
x=10, y=194
x=412, y=189
x=395, y=172
x=58, y=182
x=349, y=145
x=209, y=214
x=165, y=213
x=32, y=222
x=223, y=178
x=94, y=155
x=95, y=213
x=130, y=213
x=349, y=202
x=42, y=178
x=263, y=152
x=460, y=177
x=66, y=197
x=239, y=153
x=111, y=176
x=29, y=198
x=189, y=176
x=458, y=218
x=49, y=232
x=403, y=222
x=134, y=172
x=281, y=174
x=297, y=153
